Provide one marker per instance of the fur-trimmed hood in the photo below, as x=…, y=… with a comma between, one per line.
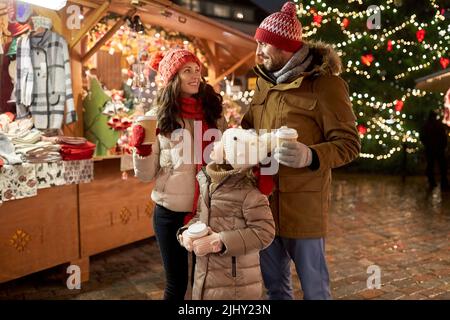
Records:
x=325, y=61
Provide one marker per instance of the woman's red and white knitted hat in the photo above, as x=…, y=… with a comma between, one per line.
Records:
x=169, y=63
x=281, y=29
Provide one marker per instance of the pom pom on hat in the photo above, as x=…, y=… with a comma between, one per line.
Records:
x=242, y=148
x=289, y=8
x=281, y=29
x=156, y=59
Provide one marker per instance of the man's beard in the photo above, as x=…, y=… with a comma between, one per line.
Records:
x=273, y=64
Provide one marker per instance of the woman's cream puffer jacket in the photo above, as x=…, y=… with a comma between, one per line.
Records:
x=175, y=180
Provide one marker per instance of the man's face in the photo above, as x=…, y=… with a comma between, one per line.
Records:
x=271, y=57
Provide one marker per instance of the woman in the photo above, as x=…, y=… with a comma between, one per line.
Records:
x=183, y=100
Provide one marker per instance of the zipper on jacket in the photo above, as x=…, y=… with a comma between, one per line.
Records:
x=208, y=182
x=233, y=266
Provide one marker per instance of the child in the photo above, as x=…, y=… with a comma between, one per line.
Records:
x=239, y=218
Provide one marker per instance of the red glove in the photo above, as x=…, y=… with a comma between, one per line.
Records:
x=265, y=182
x=136, y=139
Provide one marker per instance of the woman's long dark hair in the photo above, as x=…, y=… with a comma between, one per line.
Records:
x=169, y=109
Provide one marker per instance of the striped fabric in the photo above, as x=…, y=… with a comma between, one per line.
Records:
x=24, y=82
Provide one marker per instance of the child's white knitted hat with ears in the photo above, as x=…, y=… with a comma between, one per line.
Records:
x=241, y=148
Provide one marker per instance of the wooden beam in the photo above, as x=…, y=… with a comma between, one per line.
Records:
x=231, y=69
x=90, y=22
x=209, y=54
x=107, y=36
x=210, y=49
x=85, y=3
x=77, y=128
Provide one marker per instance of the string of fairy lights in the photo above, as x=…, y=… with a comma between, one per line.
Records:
x=389, y=132
x=243, y=96
x=392, y=128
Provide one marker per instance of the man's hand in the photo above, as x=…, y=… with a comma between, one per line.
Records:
x=293, y=154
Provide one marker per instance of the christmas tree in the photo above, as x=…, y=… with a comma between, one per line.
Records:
x=384, y=47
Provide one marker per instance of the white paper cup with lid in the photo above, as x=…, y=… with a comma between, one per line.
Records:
x=197, y=230
x=285, y=134
x=149, y=125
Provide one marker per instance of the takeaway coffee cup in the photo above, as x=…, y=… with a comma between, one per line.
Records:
x=149, y=125
x=197, y=230
x=285, y=134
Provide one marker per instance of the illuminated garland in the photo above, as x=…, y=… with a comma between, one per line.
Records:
x=129, y=42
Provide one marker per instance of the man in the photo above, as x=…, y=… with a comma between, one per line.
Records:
x=433, y=135
x=298, y=87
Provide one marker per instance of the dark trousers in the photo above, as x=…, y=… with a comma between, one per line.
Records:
x=432, y=158
x=175, y=258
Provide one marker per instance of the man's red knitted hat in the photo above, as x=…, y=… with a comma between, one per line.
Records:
x=281, y=29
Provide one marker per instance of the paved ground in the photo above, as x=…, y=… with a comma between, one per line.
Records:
x=402, y=228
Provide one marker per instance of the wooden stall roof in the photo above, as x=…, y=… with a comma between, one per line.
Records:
x=436, y=82
x=227, y=49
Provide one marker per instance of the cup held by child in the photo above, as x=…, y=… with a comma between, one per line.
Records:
x=193, y=232
x=197, y=230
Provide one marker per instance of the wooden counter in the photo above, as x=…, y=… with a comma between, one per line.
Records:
x=113, y=212
x=39, y=232
x=70, y=223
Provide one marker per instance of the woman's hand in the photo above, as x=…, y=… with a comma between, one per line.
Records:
x=136, y=140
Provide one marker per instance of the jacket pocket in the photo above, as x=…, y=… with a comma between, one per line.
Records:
x=233, y=266
x=257, y=108
x=309, y=183
x=304, y=103
x=346, y=115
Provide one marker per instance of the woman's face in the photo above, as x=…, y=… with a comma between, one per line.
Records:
x=190, y=79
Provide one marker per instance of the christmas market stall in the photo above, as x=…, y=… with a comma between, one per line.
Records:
x=74, y=77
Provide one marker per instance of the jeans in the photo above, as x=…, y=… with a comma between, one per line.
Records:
x=175, y=258
x=309, y=258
